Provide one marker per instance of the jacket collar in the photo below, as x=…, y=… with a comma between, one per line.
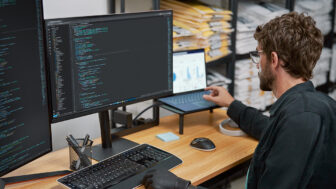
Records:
x=306, y=86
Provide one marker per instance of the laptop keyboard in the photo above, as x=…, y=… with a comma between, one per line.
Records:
x=194, y=98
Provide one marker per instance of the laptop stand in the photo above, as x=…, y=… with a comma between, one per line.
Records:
x=181, y=114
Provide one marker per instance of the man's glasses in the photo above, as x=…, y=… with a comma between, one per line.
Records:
x=255, y=56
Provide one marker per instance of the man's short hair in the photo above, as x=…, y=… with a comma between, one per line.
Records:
x=296, y=40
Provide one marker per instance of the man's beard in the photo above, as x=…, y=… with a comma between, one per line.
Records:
x=266, y=78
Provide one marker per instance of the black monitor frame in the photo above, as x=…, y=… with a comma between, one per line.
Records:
x=112, y=135
x=38, y=5
x=121, y=103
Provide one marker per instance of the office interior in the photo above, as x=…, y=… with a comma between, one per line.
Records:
x=240, y=84
x=74, y=8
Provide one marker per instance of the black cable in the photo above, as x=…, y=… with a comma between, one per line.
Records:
x=22, y=178
x=153, y=105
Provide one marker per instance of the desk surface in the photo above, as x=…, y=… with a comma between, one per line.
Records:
x=198, y=166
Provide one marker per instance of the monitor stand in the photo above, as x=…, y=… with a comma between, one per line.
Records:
x=111, y=144
x=100, y=153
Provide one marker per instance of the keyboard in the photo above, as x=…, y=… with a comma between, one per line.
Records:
x=190, y=98
x=123, y=170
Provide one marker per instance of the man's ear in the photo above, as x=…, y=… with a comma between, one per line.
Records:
x=275, y=62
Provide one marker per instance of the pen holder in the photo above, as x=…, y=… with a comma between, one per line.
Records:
x=75, y=161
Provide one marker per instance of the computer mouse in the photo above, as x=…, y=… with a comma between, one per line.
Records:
x=204, y=144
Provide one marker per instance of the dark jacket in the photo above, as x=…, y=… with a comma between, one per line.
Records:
x=297, y=143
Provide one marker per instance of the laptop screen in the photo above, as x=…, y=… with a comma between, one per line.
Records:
x=189, y=71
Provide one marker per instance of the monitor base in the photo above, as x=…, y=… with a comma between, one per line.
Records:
x=118, y=145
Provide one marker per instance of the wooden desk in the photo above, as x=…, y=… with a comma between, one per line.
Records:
x=198, y=166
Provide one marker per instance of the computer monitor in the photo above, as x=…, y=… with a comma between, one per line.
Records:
x=24, y=118
x=103, y=62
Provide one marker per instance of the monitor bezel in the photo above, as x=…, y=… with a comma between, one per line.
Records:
x=42, y=43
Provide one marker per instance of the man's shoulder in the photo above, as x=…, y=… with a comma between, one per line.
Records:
x=313, y=102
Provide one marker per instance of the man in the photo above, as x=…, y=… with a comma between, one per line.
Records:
x=297, y=143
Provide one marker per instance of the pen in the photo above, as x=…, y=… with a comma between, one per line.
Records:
x=73, y=140
x=81, y=155
x=85, y=141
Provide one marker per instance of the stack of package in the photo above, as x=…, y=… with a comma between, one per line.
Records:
x=216, y=78
x=202, y=27
x=247, y=87
x=319, y=10
x=321, y=69
x=185, y=37
x=250, y=15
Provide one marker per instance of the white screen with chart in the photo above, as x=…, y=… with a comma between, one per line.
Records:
x=189, y=71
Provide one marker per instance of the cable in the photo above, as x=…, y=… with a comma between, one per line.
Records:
x=22, y=178
x=153, y=105
x=230, y=132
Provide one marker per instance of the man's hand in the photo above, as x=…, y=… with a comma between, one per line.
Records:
x=219, y=95
x=164, y=180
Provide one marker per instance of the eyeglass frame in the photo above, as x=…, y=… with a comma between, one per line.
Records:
x=255, y=56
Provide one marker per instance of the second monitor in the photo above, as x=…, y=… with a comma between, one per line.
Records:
x=96, y=63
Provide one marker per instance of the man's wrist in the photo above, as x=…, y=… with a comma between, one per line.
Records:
x=234, y=110
x=229, y=103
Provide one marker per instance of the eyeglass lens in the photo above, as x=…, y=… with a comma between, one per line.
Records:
x=255, y=57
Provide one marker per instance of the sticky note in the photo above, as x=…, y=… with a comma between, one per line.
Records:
x=166, y=137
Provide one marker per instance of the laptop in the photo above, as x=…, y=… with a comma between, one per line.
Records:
x=189, y=81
